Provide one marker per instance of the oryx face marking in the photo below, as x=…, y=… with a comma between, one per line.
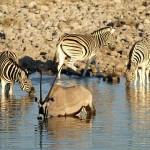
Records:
x=43, y=108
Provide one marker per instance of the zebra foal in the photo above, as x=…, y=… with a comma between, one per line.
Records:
x=82, y=47
x=11, y=72
x=139, y=62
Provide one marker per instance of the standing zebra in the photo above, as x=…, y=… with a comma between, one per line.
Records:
x=139, y=62
x=82, y=47
x=11, y=72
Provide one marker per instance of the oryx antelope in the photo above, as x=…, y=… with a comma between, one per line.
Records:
x=65, y=101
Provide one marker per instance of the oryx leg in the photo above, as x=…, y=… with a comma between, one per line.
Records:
x=82, y=114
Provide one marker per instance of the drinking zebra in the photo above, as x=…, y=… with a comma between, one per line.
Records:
x=11, y=72
x=139, y=62
x=82, y=47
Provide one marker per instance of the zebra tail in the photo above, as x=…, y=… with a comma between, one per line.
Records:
x=55, y=59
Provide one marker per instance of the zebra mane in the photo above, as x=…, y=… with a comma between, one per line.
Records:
x=105, y=28
x=130, y=55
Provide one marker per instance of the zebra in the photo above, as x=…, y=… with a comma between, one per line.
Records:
x=11, y=72
x=139, y=62
x=82, y=47
x=9, y=54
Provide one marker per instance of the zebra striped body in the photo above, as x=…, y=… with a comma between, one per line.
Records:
x=8, y=54
x=139, y=62
x=11, y=72
x=82, y=47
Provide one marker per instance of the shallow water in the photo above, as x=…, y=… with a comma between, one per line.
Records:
x=122, y=120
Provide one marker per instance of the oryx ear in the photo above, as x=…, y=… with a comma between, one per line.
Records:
x=50, y=99
x=37, y=100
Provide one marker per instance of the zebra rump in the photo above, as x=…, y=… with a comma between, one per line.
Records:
x=11, y=72
x=139, y=62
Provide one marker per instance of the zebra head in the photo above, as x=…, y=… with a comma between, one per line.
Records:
x=25, y=83
x=105, y=37
x=130, y=76
x=111, y=42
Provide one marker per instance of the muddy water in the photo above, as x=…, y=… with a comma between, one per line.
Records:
x=122, y=120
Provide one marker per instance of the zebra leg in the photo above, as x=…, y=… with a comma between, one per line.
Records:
x=87, y=64
x=7, y=87
x=3, y=86
x=11, y=88
x=71, y=64
x=143, y=76
x=147, y=76
x=140, y=75
x=136, y=77
x=96, y=66
x=61, y=62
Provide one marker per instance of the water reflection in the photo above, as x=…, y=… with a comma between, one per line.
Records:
x=139, y=100
x=65, y=130
x=138, y=96
x=11, y=111
x=122, y=120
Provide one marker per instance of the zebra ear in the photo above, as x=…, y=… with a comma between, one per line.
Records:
x=22, y=76
x=26, y=70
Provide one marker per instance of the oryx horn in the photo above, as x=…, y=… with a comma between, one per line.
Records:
x=41, y=86
x=53, y=84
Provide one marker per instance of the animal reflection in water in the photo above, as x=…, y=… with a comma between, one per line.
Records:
x=10, y=108
x=138, y=95
x=139, y=104
x=65, y=127
x=66, y=101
